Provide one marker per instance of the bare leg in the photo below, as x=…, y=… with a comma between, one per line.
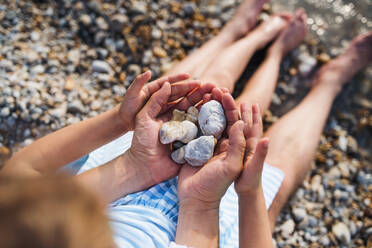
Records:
x=244, y=19
x=294, y=138
x=261, y=85
x=227, y=67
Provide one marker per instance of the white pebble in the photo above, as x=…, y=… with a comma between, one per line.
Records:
x=212, y=120
x=342, y=233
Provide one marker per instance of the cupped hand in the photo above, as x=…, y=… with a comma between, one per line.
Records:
x=151, y=158
x=203, y=187
x=249, y=180
x=140, y=91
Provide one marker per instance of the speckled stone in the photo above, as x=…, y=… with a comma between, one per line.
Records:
x=212, y=120
x=200, y=150
x=171, y=131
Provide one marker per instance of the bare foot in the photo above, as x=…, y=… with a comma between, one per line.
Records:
x=360, y=51
x=341, y=69
x=292, y=35
x=269, y=29
x=245, y=18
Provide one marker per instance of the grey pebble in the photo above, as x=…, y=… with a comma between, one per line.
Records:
x=200, y=150
x=75, y=107
x=287, y=228
x=178, y=155
x=324, y=241
x=101, y=66
x=5, y=112
x=299, y=214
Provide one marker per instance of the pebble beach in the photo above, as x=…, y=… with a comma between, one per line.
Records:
x=65, y=61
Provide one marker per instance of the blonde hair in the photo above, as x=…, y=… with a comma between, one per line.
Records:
x=51, y=212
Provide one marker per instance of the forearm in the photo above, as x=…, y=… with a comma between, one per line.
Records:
x=114, y=179
x=197, y=228
x=66, y=145
x=254, y=225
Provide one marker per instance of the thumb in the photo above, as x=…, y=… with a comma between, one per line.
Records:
x=236, y=149
x=257, y=161
x=157, y=101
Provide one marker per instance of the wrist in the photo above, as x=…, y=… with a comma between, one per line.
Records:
x=140, y=172
x=196, y=205
x=120, y=121
x=197, y=227
x=251, y=193
x=139, y=181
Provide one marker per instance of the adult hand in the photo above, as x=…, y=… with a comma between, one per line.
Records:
x=151, y=158
x=249, y=180
x=139, y=92
x=203, y=187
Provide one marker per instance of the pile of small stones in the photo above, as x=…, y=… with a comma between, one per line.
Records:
x=64, y=61
x=194, y=144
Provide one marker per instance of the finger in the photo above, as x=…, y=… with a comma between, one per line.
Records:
x=181, y=89
x=258, y=159
x=231, y=111
x=250, y=147
x=256, y=130
x=154, y=86
x=236, y=149
x=246, y=113
x=217, y=94
x=138, y=83
x=224, y=90
x=207, y=98
x=173, y=78
x=195, y=96
x=157, y=101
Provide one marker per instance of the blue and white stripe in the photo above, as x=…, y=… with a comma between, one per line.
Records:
x=149, y=218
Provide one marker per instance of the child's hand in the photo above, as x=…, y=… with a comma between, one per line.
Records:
x=249, y=180
x=203, y=187
x=150, y=158
x=139, y=92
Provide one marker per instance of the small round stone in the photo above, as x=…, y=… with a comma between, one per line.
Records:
x=212, y=120
x=171, y=131
x=341, y=231
x=178, y=155
x=178, y=115
x=192, y=114
x=200, y=150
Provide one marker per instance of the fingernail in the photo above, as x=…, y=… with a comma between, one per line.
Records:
x=265, y=143
x=256, y=108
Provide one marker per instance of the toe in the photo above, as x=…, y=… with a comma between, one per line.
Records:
x=300, y=11
x=286, y=16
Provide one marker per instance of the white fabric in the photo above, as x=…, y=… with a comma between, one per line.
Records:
x=174, y=245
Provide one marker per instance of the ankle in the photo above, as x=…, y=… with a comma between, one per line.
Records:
x=327, y=83
x=228, y=35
